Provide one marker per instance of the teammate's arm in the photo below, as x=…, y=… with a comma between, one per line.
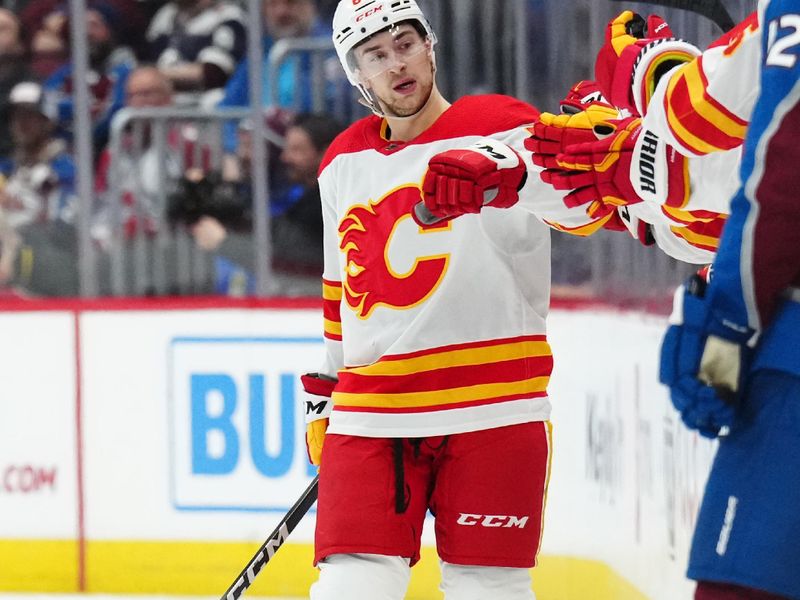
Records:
x=703, y=106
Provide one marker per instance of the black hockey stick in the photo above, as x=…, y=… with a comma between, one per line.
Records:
x=711, y=9
x=273, y=542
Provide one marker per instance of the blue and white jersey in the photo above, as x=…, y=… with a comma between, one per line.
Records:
x=758, y=262
x=216, y=36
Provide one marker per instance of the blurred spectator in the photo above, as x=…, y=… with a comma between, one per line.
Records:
x=109, y=66
x=48, y=45
x=296, y=223
x=37, y=199
x=47, y=30
x=140, y=171
x=148, y=87
x=282, y=19
x=197, y=43
x=13, y=69
x=228, y=200
x=40, y=174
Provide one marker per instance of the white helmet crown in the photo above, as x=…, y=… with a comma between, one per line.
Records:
x=356, y=20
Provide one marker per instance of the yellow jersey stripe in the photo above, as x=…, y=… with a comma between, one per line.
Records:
x=455, y=395
x=455, y=358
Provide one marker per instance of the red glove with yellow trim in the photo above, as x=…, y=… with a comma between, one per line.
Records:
x=637, y=52
x=598, y=173
x=632, y=166
x=552, y=134
x=581, y=96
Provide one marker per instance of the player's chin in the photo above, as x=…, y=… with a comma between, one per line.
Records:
x=409, y=105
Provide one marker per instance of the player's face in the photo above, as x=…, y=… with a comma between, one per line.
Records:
x=396, y=65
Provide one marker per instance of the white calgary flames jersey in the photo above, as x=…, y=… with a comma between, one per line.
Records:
x=438, y=330
x=700, y=109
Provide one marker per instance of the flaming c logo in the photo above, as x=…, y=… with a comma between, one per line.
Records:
x=366, y=234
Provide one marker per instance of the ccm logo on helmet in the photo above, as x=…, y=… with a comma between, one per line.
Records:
x=371, y=11
x=492, y=520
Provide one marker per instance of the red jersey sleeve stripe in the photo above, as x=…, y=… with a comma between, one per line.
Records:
x=697, y=120
x=704, y=242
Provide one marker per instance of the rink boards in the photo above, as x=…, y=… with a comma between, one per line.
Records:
x=149, y=447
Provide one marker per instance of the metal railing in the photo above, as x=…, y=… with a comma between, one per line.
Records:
x=150, y=149
x=158, y=256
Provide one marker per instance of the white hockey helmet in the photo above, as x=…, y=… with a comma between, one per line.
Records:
x=356, y=20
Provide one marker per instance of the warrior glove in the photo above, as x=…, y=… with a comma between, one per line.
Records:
x=318, y=405
x=631, y=166
x=552, y=134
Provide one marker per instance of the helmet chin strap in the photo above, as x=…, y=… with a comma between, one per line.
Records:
x=372, y=102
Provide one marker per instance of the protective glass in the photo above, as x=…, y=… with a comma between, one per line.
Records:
x=390, y=50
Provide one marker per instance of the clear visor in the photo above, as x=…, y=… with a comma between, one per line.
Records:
x=391, y=49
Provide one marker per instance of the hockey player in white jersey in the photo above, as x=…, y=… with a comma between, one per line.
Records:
x=434, y=392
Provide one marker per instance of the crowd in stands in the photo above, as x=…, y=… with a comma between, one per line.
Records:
x=157, y=177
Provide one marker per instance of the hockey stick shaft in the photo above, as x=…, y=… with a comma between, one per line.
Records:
x=273, y=542
x=711, y=9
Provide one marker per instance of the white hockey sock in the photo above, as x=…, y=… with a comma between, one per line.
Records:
x=461, y=582
x=361, y=576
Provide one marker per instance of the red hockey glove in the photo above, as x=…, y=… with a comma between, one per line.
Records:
x=598, y=173
x=632, y=166
x=552, y=134
x=458, y=182
x=581, y=96
x=318, y=406
x=635, y=55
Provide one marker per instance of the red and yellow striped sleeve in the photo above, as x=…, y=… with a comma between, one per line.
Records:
x=456, y=376
x=331, y=305
x=705, y=103
x=697, y=120
x=702, y=234
x=687, y=217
